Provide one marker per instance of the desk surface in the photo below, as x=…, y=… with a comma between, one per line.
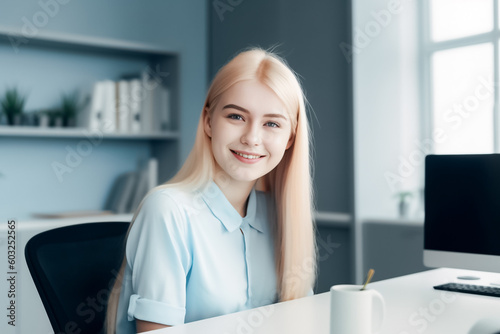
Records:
x=413, y=306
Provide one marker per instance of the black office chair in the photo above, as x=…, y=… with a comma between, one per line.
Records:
x=73, y=268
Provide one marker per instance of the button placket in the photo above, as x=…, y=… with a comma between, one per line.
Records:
x=244, y=232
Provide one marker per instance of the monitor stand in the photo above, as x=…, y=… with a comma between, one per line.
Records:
x=475, y=278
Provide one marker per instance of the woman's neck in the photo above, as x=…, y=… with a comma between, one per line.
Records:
x=236, y=192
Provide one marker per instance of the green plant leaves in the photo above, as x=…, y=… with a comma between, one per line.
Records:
x=12, y=102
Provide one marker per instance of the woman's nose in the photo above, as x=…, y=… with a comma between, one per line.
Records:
x=252, y=136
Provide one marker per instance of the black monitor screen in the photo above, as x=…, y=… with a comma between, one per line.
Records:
x=462, y=203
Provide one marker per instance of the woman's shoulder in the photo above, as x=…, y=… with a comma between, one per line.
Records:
x=167, y=200
x=171, y=194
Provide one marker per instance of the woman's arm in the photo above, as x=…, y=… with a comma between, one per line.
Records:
x=158, y=233
x=144, y=326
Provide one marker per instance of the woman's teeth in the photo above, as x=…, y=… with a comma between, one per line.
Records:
x=247, y=156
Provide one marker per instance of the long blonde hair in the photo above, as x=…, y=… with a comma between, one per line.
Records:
x=289, y=183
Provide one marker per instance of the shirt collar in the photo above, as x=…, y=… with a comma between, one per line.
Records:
x=223, y=210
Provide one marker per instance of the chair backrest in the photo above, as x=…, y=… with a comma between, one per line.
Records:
x=74, y=268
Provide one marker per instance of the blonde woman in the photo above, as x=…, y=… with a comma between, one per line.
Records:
x=233, y=229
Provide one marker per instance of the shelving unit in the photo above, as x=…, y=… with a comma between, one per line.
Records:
x=51, y=63
x=27, y=131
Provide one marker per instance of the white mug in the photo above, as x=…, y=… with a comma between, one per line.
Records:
x=353, y=311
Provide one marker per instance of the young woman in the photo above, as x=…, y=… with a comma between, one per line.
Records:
x=233, y=229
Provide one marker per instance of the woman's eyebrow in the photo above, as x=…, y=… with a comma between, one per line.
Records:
x=234, y=106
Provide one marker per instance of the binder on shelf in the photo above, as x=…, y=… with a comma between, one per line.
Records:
x=135, y=105
x=149, y=87
x=95, y=112
x=108, y=123
x=162, y=109
x=156, y=104
x=123, y=106
x=130, y=106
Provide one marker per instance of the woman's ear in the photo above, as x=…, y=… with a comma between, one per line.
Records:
x=207, y=122
x=290, y=141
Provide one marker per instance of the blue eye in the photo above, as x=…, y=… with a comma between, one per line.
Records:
x=235, y=116
x=272, y=124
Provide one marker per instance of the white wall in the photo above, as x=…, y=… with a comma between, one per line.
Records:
x=386, y=104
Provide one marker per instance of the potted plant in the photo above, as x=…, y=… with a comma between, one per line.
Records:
x=51, y=117
x=12, y=106
x=70, y=106
x=55, y=117
x=43, y=118
x=403, y=202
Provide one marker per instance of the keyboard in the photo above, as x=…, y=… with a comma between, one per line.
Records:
x=470, y=288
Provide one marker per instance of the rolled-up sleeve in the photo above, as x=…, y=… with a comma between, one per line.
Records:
x=158, y=253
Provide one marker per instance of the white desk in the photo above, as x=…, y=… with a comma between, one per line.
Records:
x=413, y=306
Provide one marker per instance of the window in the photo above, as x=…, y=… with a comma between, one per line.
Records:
x=461, y=65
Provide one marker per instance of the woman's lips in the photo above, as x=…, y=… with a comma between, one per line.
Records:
x=247, y=157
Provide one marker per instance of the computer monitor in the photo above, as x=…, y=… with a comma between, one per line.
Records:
x=462, y=212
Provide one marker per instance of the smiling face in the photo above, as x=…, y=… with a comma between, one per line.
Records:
x=249, y=130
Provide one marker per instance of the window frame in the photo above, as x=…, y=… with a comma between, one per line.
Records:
x=429, y=47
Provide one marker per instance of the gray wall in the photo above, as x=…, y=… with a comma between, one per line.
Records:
x=307, y=34
x=334, y=257
x=177, y=25
x=392, y=249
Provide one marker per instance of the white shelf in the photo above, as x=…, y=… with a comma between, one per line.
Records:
x=27, y=131
x=395, y=221
x=80, y=42
x=333, y=219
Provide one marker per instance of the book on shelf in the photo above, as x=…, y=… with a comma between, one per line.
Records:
x=123, y=114
x=94, y=113
x=161, y=119
x=147, y=104
x=137, y=105
x=140, y=190
x=130, y=183
x=108, y=123
x=155, y=104
x=130, y=188
x=121, y=191
x=147, y=177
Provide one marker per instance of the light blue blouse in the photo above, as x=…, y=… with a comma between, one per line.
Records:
x=187, y=259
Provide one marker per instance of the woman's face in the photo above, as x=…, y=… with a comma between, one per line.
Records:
x=249, y=130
